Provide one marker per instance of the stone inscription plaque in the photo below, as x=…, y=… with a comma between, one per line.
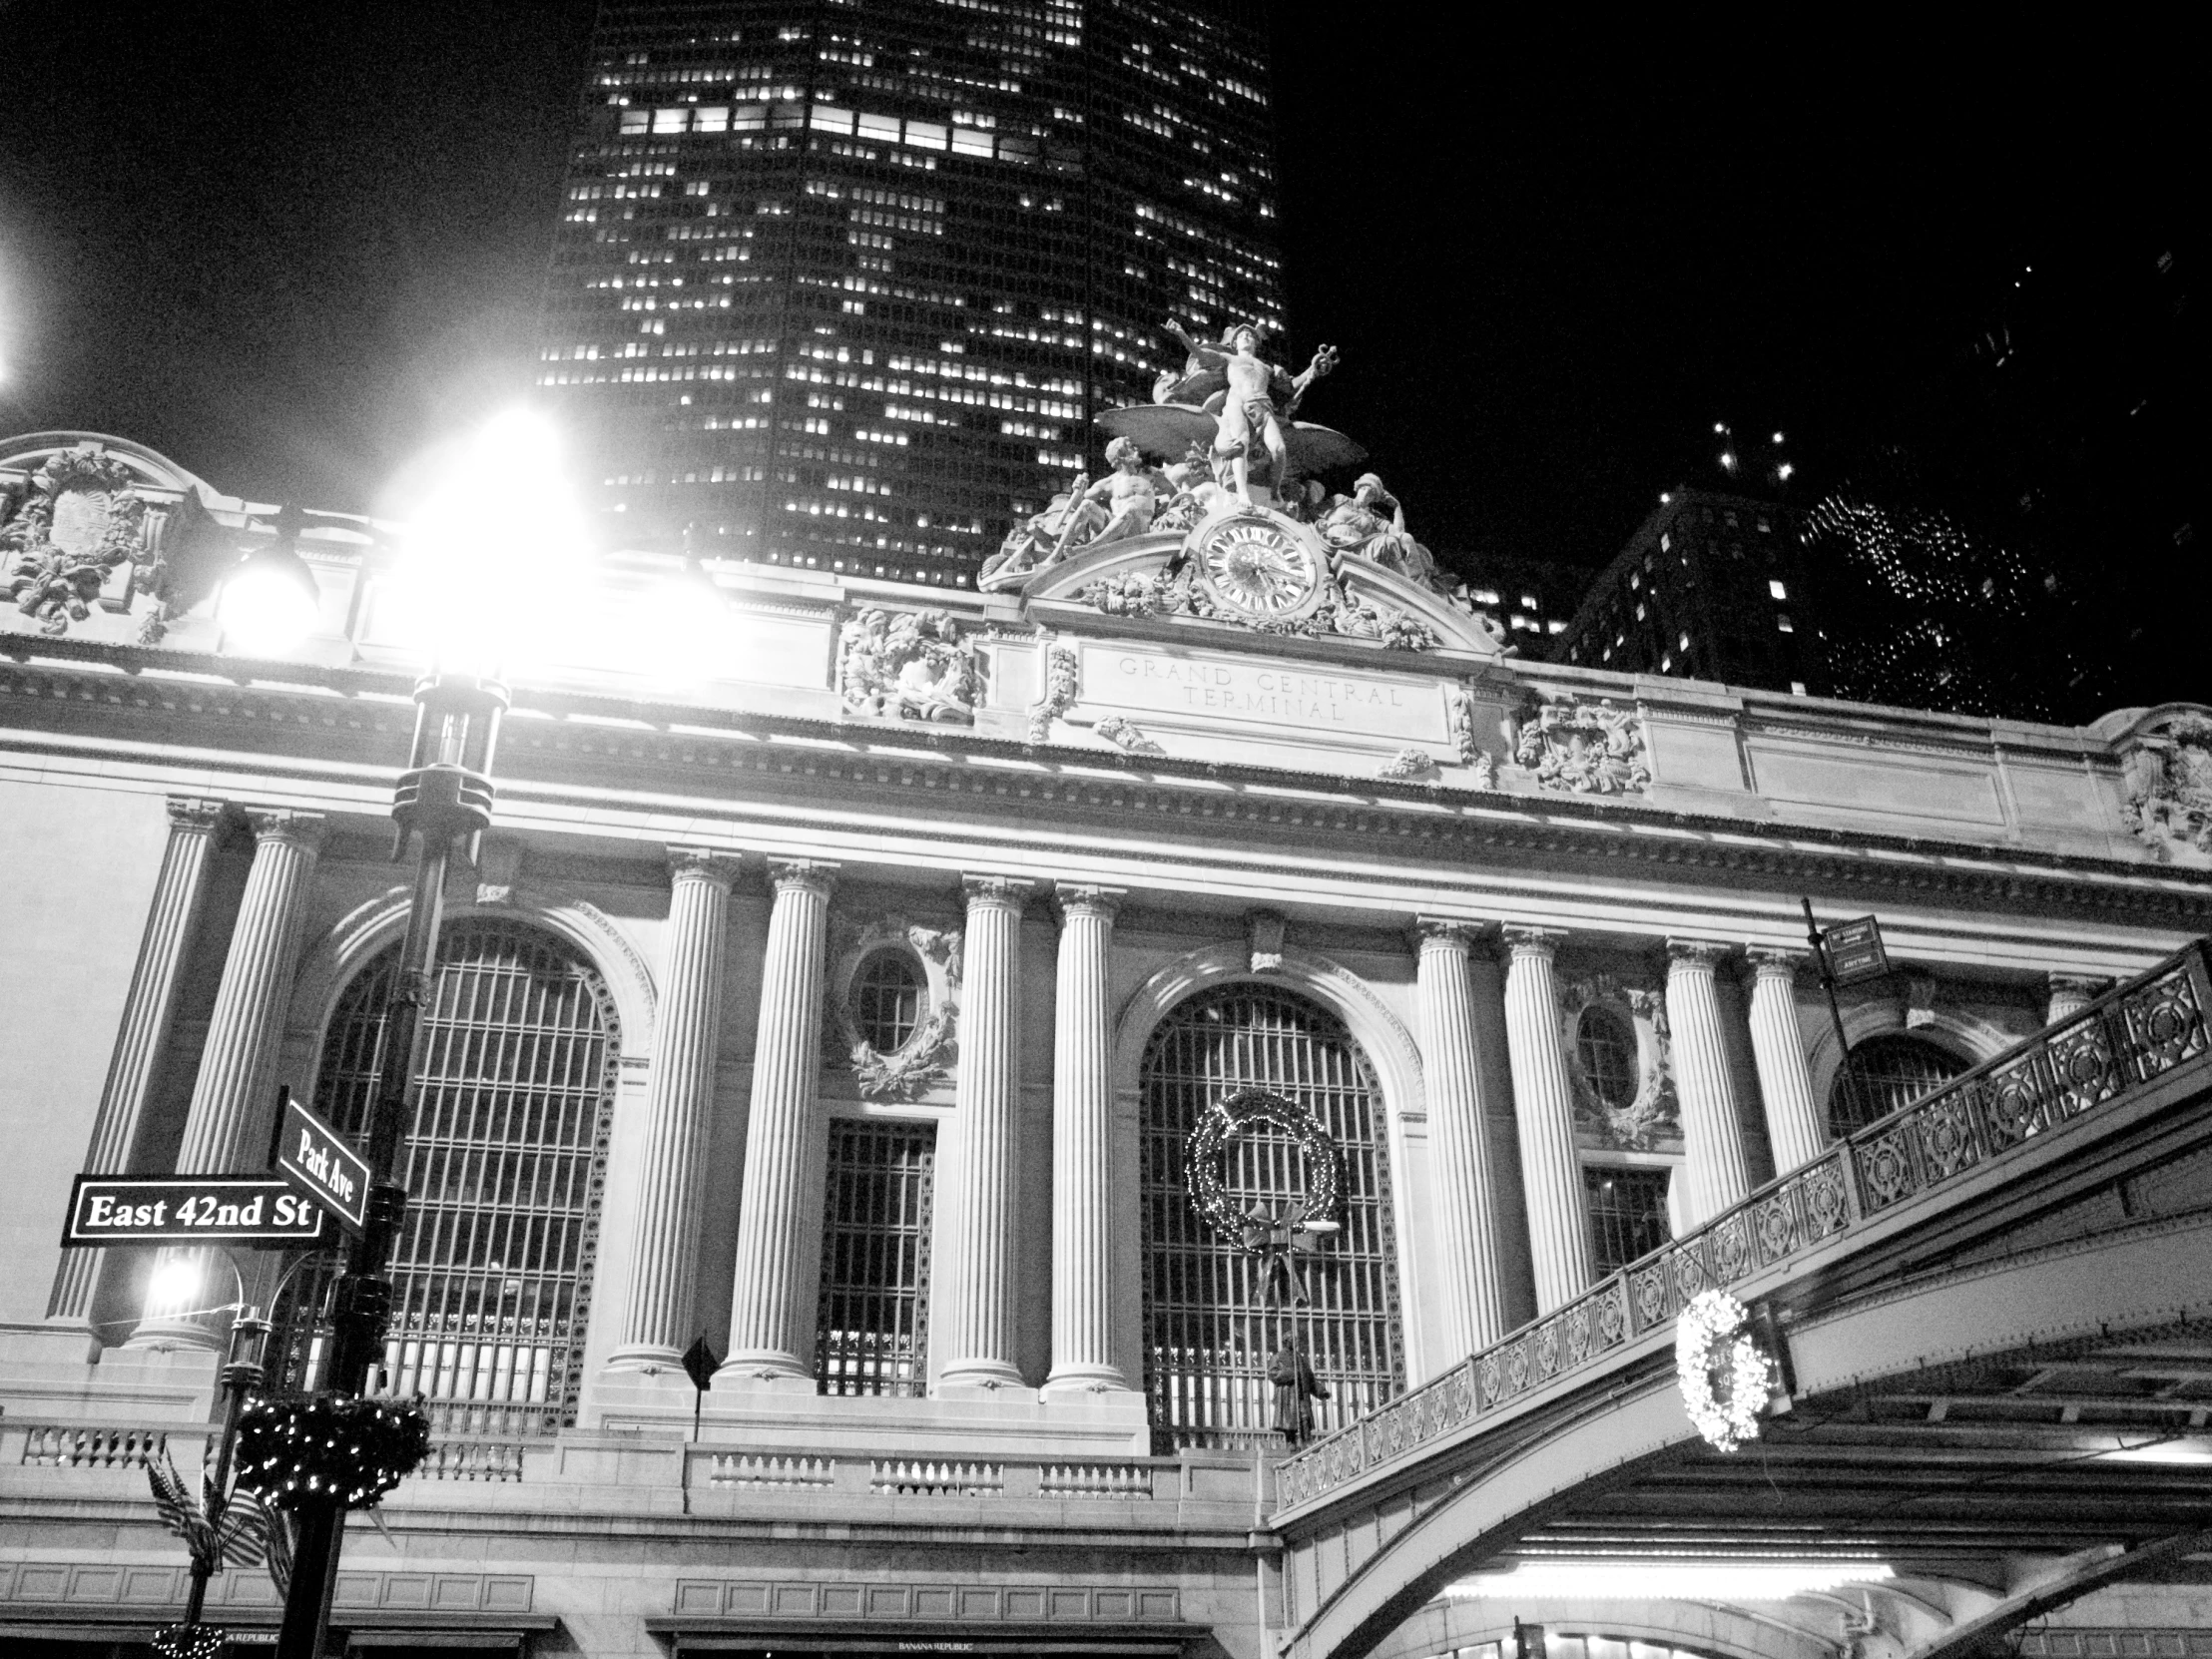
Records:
x=1314, y=702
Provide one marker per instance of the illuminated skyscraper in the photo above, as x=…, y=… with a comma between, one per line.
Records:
x=841, y=284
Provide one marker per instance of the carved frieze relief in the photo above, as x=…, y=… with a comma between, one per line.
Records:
x=2169, y=788
x=907, y=664
x=77, y=539
x=1584, y=745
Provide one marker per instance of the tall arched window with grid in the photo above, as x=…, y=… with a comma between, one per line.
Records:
x=1209, y=1327
x=1889, y=1072
x=504, y=1166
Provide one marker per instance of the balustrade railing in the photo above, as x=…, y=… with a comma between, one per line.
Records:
x=2132, y=1034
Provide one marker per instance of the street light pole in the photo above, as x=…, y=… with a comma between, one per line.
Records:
x=444, y=795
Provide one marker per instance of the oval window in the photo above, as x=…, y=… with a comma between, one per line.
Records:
x=888, y=996
x=1605, y=1046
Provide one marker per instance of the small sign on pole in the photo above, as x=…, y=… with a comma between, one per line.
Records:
x=188, y=1209
x=701, y=1361
x=321, y=1165
x=1855, y=952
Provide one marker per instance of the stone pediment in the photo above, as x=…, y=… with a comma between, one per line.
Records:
x=1254, y=570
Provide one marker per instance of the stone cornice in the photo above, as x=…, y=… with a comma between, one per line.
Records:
x=371, y=708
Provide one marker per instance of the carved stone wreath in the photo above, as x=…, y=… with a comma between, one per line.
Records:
x=82, y=523
x=925, y=1060
x=1590, y=748
x=907, y=664
x=1653, y=1114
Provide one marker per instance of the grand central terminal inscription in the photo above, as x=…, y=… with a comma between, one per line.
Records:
x=1198, y=690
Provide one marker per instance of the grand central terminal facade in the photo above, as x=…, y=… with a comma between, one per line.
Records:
x=843, y=982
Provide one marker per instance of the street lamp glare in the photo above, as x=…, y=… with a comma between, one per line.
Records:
x=175, y=1283
x=269, y=602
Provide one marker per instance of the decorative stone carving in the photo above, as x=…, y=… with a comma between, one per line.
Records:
x=1267, y=940
x=1486, y=770
x=1652, y=1114
x=925, y=1060
x=78, y=538
x=1590, y=748
x=1355, y=527
x=2169, y=800
x=907, y=664
x=1920, y=993
x=1410, y=766
x=1060, y=680
x=1245, y=416
x=1126, y=737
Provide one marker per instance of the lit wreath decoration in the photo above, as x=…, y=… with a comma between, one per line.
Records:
x=1725, y=1380
x=311, y=1448
x=1222, y=1122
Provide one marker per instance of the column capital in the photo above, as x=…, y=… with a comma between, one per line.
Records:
x=1529, y=944
x=282, y=823
x=803, y=876
x=1777, y=961
x=704, y=864
x=1008, y=893
x=2086, y=988
x=1073, y=898
x=196, y=815
x=1695, y=954
x=1445, y=933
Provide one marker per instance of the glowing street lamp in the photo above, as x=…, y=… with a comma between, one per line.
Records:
x=269, y=600
x=489, y=539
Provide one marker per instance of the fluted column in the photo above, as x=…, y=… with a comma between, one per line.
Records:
x=977, y=1303
x=235, y=1091
x=2071, y=994
x=180, y=893
x=1778, y=1048
x=1471, y=1290
x=1082, y=1148
x=779, y=1220
x=1544, y=1107
x=1712, y=1135
x=658, y=1314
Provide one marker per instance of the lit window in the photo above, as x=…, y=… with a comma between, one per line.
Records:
x=1528, y=601
x=1777, y=589
x=1665, y=664
x=1683, y=644
x=1797, y=688
x=1782, y=621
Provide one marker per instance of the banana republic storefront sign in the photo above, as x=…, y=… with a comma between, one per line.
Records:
x=1314, y=702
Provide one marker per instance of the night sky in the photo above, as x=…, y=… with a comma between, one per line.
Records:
x=288, y=246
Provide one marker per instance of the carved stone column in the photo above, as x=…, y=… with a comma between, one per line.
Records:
x=1082, y=1148
x=1544, y=1106
x=977, y=1303
x=1711, y=1134
x=235, y=1089
x=1778, y=1047
x=1471, y=1286
x=180, y=891
x=2071, y=994
x=658, y=1314
x=779, y=1207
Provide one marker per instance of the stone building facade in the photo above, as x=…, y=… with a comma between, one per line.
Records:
x=851, y=1005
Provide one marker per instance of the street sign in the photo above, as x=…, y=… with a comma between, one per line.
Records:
x=321, y=1165
x=188, y=1209
x=1854, y=951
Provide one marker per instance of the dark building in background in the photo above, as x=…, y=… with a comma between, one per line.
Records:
x=2020, y=536
x=841, y=284
x=1712, y=586
x=1528, y=601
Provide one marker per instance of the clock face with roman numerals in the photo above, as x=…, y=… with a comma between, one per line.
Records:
x=1257, y=569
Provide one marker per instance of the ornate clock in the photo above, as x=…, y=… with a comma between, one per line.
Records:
x=1256, y=566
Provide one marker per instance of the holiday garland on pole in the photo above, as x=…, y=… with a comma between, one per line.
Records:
x=311, y=1448
x=1725, y=1380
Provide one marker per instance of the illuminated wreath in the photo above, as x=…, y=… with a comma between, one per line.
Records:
x=1234, y=1115
x=310, y=1449
x=1725, y=1380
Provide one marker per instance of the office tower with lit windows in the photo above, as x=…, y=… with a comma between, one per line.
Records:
x=1711, y=586
x=841, y=284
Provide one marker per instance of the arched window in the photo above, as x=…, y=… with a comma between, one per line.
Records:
x=1892, y=1070
x=887, y=999
x=1605, y=1047
x=1208, y=1332
x=504, y=1166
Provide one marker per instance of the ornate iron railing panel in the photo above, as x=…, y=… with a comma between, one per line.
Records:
x=2127, y=1037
